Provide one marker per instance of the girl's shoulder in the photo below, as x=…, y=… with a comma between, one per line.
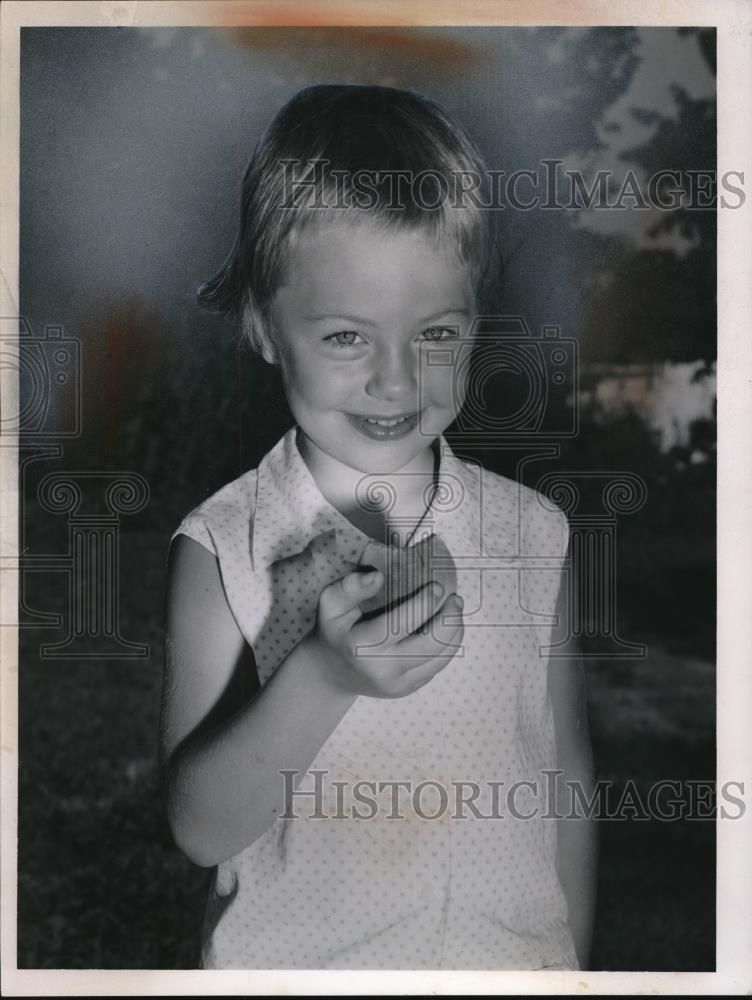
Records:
x=227, y=512
x=512, y=509
x=499, y=491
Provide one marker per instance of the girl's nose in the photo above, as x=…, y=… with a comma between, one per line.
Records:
x=393, y=376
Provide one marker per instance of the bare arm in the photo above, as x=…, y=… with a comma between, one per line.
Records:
x=221, y=781
x=578, y=838
x=220, y=769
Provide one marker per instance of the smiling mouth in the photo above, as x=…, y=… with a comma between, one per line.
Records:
x=384, y=427
x=388, y=421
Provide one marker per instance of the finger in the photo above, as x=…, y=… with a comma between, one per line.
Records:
x=441, y=635
x=418, y=677
x=404, y=658
x=446, y=616
x=341, y=598
x=407, y=616
x=423, y=671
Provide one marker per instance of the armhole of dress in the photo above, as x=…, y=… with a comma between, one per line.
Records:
x=566, y=530
x=195, y=528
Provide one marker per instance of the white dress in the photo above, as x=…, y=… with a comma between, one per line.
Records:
x=430, y=881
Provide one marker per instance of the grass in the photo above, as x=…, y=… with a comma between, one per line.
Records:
x=653, y=720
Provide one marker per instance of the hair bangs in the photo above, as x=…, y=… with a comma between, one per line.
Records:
x=350, y=154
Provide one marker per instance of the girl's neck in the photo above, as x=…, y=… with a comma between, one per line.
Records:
x=380, y=505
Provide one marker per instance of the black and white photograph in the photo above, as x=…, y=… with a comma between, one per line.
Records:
x=375, y=535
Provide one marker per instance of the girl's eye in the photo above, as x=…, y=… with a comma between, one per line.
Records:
x=440, y=333
x=345, y=338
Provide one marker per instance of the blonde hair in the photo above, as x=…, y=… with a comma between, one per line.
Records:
x=354, y=143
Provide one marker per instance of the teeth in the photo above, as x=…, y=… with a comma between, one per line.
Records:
x=386, y=423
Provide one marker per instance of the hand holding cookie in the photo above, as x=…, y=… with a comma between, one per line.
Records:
x=413, y=628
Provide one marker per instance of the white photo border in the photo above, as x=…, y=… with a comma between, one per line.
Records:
x=733, y=21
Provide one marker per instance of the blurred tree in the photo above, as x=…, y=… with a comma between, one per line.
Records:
x=659, y=304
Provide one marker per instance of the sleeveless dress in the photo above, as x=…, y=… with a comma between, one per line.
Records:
x=417, y=839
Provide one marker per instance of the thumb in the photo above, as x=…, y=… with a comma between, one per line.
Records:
x=343, y=596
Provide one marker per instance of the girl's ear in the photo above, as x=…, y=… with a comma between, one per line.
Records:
x=257, y=327
x=266, y=345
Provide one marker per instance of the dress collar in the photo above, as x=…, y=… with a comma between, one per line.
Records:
x=291, y=509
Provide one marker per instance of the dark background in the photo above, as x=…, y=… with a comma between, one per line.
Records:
x=133, y=144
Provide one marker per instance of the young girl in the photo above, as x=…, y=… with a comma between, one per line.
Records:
x=358, y=714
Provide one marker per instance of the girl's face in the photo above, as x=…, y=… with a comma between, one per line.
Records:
x=353, y=325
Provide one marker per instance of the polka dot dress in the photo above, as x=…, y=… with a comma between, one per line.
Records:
x=416, y=839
